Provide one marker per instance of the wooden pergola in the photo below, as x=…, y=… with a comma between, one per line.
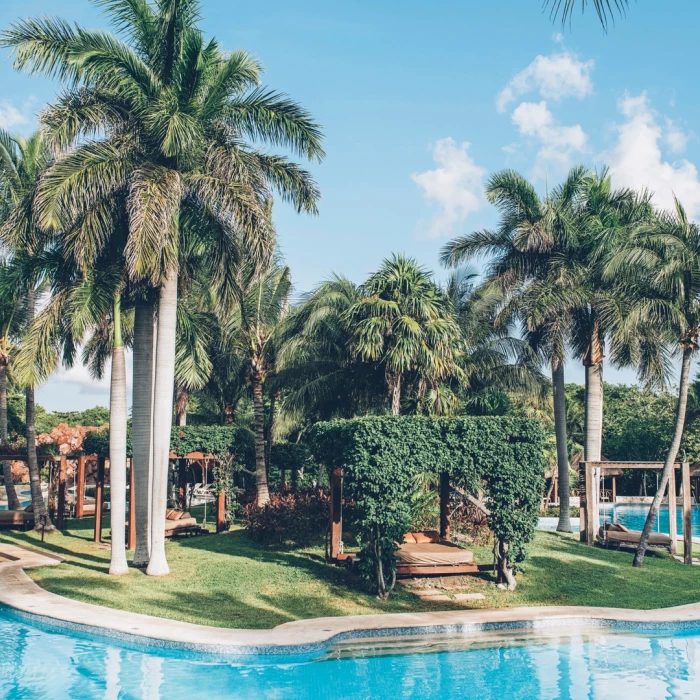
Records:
x=590, y=518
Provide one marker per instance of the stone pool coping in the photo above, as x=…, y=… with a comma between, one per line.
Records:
x=25, y=598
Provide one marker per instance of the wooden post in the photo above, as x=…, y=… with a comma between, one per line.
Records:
x=80, y=488
x=99, y=495
x=687, y=520
x=614, y=490
x=61, y=501
x=555, y=491
x=221, y=511
x=445, y=505
x=590, y=505
x=182, y=484
x=672, y=523
x=131, y=541
x=336, y=511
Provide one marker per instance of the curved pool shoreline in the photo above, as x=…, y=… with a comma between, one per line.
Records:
x=22, y=597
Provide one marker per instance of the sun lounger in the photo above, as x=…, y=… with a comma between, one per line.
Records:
x=617, y=536
x=425, y=553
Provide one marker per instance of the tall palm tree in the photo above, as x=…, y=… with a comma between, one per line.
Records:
x=251, y=328
x=525, y=250
x=162, y=118
x=11, y=321
x=22, y=163
x=405, y=323
x=662, y=261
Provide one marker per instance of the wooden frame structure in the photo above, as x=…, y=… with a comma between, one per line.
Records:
x=590, y=519
x=336, y=521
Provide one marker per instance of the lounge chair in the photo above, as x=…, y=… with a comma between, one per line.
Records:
x=179, y=523
x=425, y=553
x=616, y=536
x=14, y=519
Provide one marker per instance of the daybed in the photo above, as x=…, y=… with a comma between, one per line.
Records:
x=616, y=536
x=424, y=553
x=179, y=523
x=12, y=519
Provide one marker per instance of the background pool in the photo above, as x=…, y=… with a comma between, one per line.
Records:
x=634, y=516
x=601, y=664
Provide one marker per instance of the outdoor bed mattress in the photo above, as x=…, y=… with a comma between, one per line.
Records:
x=180, y=524
x=13, y=518
x=658, y=539
x=433, y=554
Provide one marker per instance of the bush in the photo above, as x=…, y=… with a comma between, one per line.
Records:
x=293, y=519
x=382, y=457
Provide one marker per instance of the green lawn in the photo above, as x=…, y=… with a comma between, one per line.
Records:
x=230, y=581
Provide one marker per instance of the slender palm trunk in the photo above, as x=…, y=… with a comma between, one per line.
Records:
x=396, y=395
x=12, y=499
x=117, y=448
x=162, y=420
x=559, y=398
x=260, y=471
x=670, y=456
x=41, y=514
x=593, y=432
x=142, y=424
x=270, y=431
x=182, y=397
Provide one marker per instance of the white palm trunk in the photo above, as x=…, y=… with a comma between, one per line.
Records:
x=162, y=420
x=142, y=427
x=593, y=439
x=559, y=400
x=117, y=449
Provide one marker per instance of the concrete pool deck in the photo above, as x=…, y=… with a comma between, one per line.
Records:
x=24, y=597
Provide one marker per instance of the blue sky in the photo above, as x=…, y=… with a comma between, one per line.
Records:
x=421, y=101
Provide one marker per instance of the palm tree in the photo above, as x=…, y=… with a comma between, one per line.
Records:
x=530, y=238
x=662, y=261
x=162, y=118
x=22, y=163
x=251, y=328
x=405, y=324
x=11, y=317
x=605, y=9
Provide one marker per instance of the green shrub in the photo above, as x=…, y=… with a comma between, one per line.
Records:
x=382, y=456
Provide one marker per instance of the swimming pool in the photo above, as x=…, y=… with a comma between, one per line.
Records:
x=634, y=516
x=597, y=662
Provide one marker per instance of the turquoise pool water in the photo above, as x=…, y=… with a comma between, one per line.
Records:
x=35, y=663
x=634, y=516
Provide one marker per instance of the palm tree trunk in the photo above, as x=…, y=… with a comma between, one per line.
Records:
x=117, y=447
x=182, y=397
x=162, y=420
x=593, y=431
x=396, y=395
x=12, y=499
x=42, y=520
x=559, y=398
x=270, y=431
x=260, y=471
x=670, y=456
x=142, y=424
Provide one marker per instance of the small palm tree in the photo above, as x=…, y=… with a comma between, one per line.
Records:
x=404, y=323
x=252, y=327
x=661, y=262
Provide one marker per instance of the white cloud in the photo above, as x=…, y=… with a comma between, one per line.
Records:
x=557, y=143
x=455, y=186
x=637, y=160
x=79, y=375
x=555, y=77
x=10, y=116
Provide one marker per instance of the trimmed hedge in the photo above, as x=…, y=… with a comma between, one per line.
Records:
x=381, y=457
x=224, y=441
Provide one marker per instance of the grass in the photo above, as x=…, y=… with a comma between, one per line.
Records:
x=230, y=581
